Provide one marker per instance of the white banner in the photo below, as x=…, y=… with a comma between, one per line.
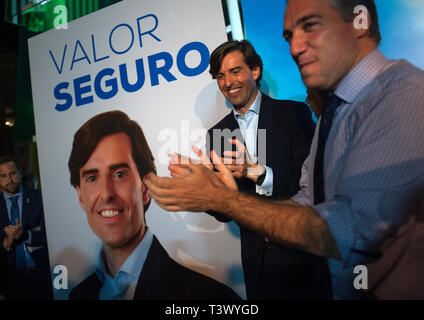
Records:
x=150, y=60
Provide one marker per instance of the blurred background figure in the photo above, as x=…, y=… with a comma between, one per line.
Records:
x=23, y=242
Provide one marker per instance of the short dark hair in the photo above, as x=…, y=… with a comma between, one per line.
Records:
x=251, y=58
x=8, y=158
x=105, y=124
x=346, y=10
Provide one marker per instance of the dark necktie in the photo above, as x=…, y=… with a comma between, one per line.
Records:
x=19, y=251
x=328, y=113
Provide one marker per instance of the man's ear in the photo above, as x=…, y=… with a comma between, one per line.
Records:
x=80, y=200
x=362, y=22
x=145, y=192
x=256, y=71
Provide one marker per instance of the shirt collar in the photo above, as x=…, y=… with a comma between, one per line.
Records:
x=361, y=76
x=19, y=194
x=255, y=107
x=133, y=265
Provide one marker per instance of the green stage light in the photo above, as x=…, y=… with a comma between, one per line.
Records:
x=42, y=15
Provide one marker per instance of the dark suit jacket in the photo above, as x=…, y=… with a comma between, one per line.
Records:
x=162, y=279
x=32, y=220
x=273, y=271
x=3, y=272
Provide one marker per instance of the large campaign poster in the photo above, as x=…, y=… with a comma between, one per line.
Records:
x=149, y=59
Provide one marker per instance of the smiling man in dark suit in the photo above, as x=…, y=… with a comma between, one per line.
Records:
x=264, y=143
x=23, y=236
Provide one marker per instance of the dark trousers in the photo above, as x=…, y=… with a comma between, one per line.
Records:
x=29, y=284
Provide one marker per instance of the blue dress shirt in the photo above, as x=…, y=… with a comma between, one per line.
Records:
x=123, y=285
x=373, y=162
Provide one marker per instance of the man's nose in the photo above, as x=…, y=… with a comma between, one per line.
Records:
x=298, y=44
x=107, y=189
x=229, y=80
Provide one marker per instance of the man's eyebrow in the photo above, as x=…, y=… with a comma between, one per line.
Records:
x=300, y=21
x=310, y=16
x=119, y=165
x=111, y=167
x=231, y=70
x=89, y=171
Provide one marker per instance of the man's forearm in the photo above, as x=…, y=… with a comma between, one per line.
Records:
x=285, y=222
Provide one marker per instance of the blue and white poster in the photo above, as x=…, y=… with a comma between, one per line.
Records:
x=149, y=59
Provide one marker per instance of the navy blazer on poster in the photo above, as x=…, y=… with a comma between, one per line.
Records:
x=32, y=220
x=162, y=279
x=273, y=271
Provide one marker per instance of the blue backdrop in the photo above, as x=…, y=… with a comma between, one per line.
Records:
x=402, y=29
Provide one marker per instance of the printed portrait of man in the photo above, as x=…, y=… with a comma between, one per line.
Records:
x=108, y=163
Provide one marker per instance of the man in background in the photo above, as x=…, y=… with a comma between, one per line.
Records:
x=23, y=236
